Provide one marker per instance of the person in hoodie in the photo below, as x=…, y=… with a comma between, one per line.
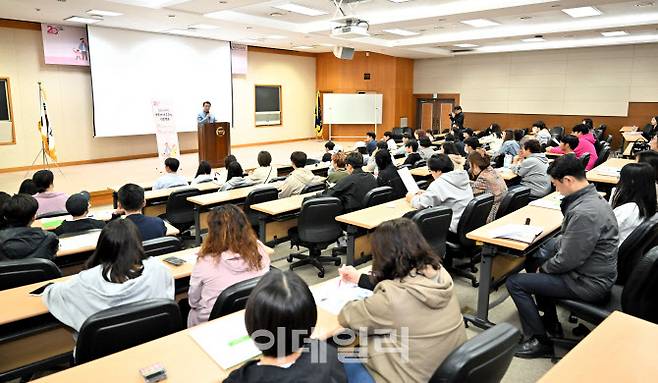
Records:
x=531, y=165
x=426, y=150
x=585, y=145
x=352, y=189
x=265, y=171
x=299, y=178
x=410, y=286
x=115, y=274
x=49, y=201
x=486, y=180
x=230, y=254
x=280, y=317
x=235, y=177
x=450, y=188
x=19, y=240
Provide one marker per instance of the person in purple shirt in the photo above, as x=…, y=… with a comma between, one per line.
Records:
x=48, y=199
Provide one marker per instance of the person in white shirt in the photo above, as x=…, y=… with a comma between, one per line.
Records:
x=204, y=117
x=203, y=173
x=390, y=142
x=265, y=171
x=541, y=133
x=171, y=178
x=634, y=198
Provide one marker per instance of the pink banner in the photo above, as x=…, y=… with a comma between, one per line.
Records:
x=65, y=45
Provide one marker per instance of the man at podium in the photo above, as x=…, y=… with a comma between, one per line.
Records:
x=205, y=117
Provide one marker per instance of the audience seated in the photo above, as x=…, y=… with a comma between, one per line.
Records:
x=411, y=147
x=541, y=133
x=580, y=263
x=171, y=178
x=78, y=206
x=371, y=142
x=410, y=286
x=486, y=180
x=390, y=142
x=338, y=167
x=328, y=151
x=299, y=178
x=235, y=177
x=49, y=201
x=426, y=150
x=400, y=150
x=567, y=145
x=650, y=157
x=471, y=144
x=510, y=146
x=418, y=134
x=229, y=254
x=131, y=202
x=459, y=144
x=371, y=164
x=451, y=150
x=19, y=240
x=450, y=188
x=428, y=133
x=633, y=199
x=203, y=173
x=4, y=197
x=28, y=187
x=651, y=129
x=116, y=274
x=388, y=174
x=531, y=165
x=585, y=145
x=280, y=317
x=352, y=189
x=265, y=171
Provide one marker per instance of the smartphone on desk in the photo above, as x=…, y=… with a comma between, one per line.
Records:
x=38, y=292
x=174, y=261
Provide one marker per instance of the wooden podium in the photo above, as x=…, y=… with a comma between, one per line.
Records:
x=214, y=142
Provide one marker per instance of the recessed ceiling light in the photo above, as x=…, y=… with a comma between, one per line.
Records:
x=204, y=26
x=535, y=39
x=98, y=12
x=171, y=16
x=466, y=45
x=614, y=33
x=582, y=12
x=275, y=37
x=82, y=20
x=302, y=47
x=401, y=32
x=296, y=8
x=480, y=23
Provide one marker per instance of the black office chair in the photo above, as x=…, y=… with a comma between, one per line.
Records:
x=635, y=246
x=482, y=359
x=378, y=196
x=434, y=223
x=313, y=188
x=458, y=246
x=311, y=161
x=21, y=272
x=316, y=229
x=163, y=245
x=397, y=134
x=258, y=195
x=516, y=198
x=125, y=326
x=233, y=299
x=603, y=155
x=608, y=140
x=180, y=212
x=52, y=214
x=277, y=179
x=423, y=184
x=584, y=159
x=556, y=132
x=419, y=164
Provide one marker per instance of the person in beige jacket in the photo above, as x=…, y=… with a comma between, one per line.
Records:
x=410, y=287
x=299, y=178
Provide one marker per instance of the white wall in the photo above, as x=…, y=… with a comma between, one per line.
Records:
x=70, y=108
x=584, y=81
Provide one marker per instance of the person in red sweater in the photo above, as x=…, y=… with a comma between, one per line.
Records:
x=585, y=145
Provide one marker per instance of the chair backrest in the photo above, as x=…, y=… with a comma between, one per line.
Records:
x=317, y=220
x=179, y=209
x=482, y=359
x=258, y=195
x=163, y=245
x=125, y=326
x=474, y=216
x=584, y=159
x=638, y=298
x=609, y=139
x=21, y=272
x=53, y=214
x=603, y=154
x=313, y=188
x=423, y=184
x=556, y=132
x=516, y=198
x=419, y=164
x=634, y=248
x=233, y=298
x=277, y=179
x=378, y=196
x=311, y=161
x=434, y=223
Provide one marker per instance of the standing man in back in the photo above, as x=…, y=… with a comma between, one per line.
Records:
x=457, y=117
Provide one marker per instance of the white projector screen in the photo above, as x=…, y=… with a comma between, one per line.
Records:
x=352, y=108
x=131, y=69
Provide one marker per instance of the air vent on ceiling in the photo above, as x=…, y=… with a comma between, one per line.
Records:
x=462, y=50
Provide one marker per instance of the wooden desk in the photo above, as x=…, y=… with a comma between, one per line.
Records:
x=269, y=230
x=55, y=222
x=620, y=349
x=599, y=175
x=549, y=154
x=359, y=245
x=633, y=136
x=399, y=161
x=156, y=199
x=626, y=129
x=421, y=172
x=501, y=257
x=507, y=174
x=178, y=353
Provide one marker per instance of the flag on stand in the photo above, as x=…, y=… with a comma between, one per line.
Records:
x=45, y=128
x=318, y=116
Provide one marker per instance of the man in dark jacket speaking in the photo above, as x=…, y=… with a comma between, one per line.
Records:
x=580, y=263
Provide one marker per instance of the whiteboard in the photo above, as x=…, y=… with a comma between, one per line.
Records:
x=350, y=108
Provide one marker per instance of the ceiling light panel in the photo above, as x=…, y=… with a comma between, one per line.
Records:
x=83, y=20
x=401, y=32
x=98, y=12
x=296, y=8
x=150, y=3
x=466, y=45
x=533, y=40
x=614, y=33
x=480, y=23
x=582, y=12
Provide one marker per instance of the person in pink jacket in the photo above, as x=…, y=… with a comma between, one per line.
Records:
x=49, y=200
x=230, y=254
x=585, y=145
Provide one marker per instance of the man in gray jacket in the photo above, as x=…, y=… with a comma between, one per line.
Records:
x=531, y=165
x=580, y=263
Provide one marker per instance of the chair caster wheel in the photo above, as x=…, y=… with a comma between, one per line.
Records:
x=338, y=263
x=321, y=274
x=289, y=258
x=475, y=284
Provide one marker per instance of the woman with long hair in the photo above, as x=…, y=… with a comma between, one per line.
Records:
x=634, y=198
x=486, y=179
x=230, y=254
x=203, y=173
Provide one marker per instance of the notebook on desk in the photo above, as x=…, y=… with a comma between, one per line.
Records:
x=227, y=348
x=332, y=297
x=515, y=232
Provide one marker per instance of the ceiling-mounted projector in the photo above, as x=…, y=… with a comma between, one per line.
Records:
x=350, y=28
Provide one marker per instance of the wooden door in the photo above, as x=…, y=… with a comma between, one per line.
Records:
x=446, y=109
x=427, y=115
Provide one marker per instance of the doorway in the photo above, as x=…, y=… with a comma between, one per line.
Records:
x=433, y=113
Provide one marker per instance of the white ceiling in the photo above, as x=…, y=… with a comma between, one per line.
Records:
x=437, y=22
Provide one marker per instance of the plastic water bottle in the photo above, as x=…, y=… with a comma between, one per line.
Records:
x=508, y=161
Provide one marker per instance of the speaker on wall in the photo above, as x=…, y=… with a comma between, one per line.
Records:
x=344, y=53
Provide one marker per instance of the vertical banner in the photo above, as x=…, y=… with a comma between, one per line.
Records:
x=165, y=131
x=238, y=58
x=65, y=45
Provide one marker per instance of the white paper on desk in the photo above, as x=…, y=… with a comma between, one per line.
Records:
x=332, y=297
x=189, y=258
x=226, y=341
x=607, y=171
x=515, y=232
x=548, y=203
x=408, y=180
